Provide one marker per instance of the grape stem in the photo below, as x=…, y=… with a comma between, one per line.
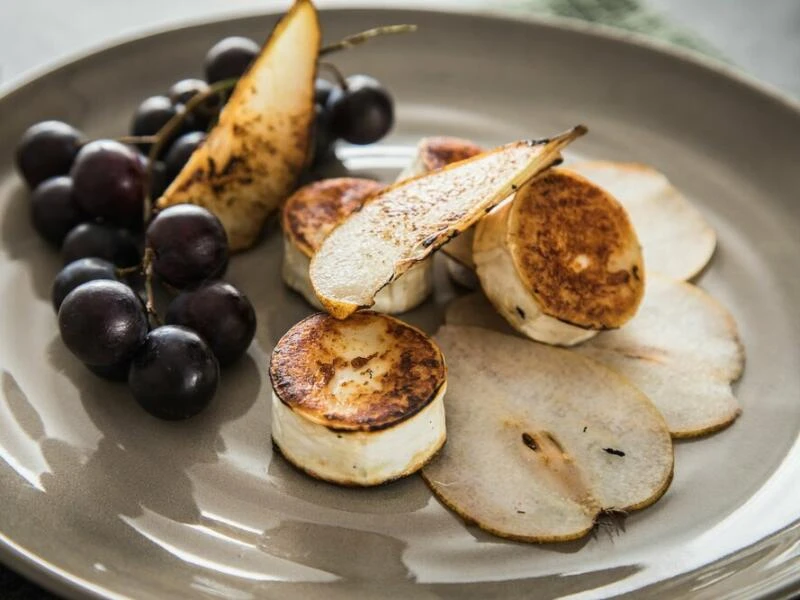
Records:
x=351, y=41
x=125, y=271
x=137, y=139
x=340, y=79
x=147, y=267
x=171, y=127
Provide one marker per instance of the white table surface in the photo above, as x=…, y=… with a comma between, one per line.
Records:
x=760, y=36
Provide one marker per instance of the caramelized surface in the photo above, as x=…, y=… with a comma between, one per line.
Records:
x=438, y=152
x=367, y=372
x=576, y=250
x=315, y=209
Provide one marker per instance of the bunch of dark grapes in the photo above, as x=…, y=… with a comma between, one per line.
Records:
x=172, y=369
x=88, y=199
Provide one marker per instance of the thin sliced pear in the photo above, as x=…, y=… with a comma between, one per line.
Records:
x=541, y=441
x=434, y=153
x=677, y=240
x=682, y=350
x=406, y=222
x=561, y=261
x=253, y=157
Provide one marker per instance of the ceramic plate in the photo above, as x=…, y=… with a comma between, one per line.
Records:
x=100, y=499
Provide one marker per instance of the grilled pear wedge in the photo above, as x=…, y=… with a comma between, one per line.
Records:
x=561, y=261
x=677, y=241
x=357, y=402
x=682, y=350
x=542, y=441
x=310, y=214
x=434, y=153
x=253, y=156
x=406, y=222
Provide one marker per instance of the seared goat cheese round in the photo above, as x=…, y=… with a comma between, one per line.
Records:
x=357, y=401
x=561, y=261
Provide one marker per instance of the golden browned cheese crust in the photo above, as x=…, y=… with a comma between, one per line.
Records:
x=576, y=249
x=365, y=373
x=315, y=209
x=438, y=152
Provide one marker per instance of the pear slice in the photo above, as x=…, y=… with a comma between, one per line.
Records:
x=682, y=350
x=541, y=441
x=434, y=153
x=677, y=240
x=311, y=213
x=406, y=222
x=253, y=157
x=561, y=261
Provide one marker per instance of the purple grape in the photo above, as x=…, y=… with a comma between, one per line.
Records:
x=93, y=240
x=102, y=322
x=362, y=113
x=189, y=244
x=79, y=272
x=46, y=150
x=220, y=314
x=174, y=374
x=54, y=211
x=180, y=152
x=229, y=58
x=109, y=182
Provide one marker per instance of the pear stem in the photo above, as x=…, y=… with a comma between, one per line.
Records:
x=171, y=127
x=357, y=39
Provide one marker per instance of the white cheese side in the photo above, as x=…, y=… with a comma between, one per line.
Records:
x=294, y=271
x=362, y=458
x=510, y=297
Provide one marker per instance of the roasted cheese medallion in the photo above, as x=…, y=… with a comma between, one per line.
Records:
x=357, y=401
x=561, y=261
x=311, y=213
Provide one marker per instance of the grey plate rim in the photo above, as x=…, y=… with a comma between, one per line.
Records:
x=782, y=583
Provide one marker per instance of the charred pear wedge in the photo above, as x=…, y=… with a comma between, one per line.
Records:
x=406, y=222
x=542, y=441
x=252, y=158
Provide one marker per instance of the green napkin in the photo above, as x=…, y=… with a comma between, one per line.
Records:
x=630, y=15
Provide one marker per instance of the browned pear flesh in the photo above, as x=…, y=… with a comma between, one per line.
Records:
x=542, y=441
x=253, y=156
x=435, y=153
x=682, y=350
x=406, y=222
x=561, y=261
x=677, y=240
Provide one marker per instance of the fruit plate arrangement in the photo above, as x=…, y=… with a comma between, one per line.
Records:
x=101, y=498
